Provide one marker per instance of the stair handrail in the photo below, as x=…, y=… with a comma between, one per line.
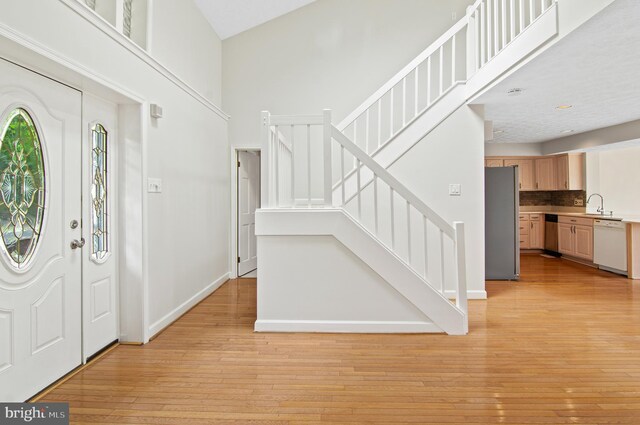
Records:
x=403, y=73
x=455, y=231
x=394, y=183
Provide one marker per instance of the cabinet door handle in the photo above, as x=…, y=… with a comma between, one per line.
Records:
x=532, y=225
x=566, y=185
x=520, y=185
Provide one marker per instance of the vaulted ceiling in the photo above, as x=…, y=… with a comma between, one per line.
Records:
x=231, y=17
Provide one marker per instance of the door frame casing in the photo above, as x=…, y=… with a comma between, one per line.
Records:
x=233, y=231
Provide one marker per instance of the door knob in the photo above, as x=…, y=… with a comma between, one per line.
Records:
x=75, y=244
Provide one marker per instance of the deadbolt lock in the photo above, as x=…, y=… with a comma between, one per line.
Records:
x=74, y=224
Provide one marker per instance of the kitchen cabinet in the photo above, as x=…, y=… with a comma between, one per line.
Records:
x=531, y=231
x=546, y=173
x=570, y=172
x=526, y=176
x=536, y=231
x=565, y=239
x=524, y=231
x=584, y=242
x=575, y=237
x=493, y=162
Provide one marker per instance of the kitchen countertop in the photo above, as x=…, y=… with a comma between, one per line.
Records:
x=624, y=218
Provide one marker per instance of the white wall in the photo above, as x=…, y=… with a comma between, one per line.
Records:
x=615, y=174
x=352, y=289
x=187, y=149
x=183, y=40
x=330, y=54
x=453, y=153
x=512, y=149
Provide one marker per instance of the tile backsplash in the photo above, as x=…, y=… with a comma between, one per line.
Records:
x=556, y=198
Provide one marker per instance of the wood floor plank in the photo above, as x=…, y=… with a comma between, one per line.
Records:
x=562, y=346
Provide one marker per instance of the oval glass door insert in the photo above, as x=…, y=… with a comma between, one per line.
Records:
x=22, y=188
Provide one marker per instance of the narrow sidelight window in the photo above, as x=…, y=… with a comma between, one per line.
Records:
x=99, y=192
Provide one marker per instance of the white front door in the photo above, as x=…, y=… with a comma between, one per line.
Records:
x=248, y=202
x=99, y=278
x=40, y=196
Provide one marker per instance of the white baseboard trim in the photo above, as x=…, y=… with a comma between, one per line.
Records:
x=471, y=295
x=176, y=313
x=344, y=326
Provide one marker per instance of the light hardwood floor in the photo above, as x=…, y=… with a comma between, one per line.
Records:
x=560, y=347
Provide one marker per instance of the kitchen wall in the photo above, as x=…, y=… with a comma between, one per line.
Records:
x=615, y=174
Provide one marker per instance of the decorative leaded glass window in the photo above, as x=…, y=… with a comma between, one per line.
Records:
x=99, y=206
x=22, y=188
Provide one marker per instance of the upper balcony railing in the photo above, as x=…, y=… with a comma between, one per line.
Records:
x=128, y=17
x=494, y=24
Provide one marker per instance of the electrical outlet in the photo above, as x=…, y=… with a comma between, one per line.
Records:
x=577, y=202
x=454, y=190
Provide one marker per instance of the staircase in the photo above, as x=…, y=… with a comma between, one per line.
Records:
x=324, y=180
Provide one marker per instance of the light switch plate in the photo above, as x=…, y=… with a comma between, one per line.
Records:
x=454, y=189
x=154, y=185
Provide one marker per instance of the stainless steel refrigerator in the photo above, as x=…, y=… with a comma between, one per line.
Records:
x=502, y=233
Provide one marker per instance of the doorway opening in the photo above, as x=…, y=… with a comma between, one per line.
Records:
x=247, y=202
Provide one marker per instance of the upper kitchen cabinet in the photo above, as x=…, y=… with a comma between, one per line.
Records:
x=546, y=173
x=570, y=172
x=526, y=174
x=493, y=162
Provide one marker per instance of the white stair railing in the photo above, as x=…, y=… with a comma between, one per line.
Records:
x=494, y=24
x=486, y=29
x=410, y=92
x=424, y=241
x=309, y=163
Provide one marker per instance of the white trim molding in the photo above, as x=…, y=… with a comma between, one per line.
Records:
x=345, y=326
x=176, y=313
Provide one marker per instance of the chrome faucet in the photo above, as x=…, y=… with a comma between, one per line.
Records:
x=601, y=207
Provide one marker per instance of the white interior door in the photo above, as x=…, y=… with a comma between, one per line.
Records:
x=99, y=272
x=248, y=202
x=40, y=273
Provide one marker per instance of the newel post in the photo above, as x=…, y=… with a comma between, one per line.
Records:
x=265, y=164
x=461, y=271
x=326, y=149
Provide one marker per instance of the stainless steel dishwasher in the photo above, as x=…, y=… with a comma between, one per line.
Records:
x=551, y=234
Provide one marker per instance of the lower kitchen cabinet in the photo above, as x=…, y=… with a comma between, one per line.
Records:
x=536, y=231
x=584, y=242
x=531, y=231
x=575, y=237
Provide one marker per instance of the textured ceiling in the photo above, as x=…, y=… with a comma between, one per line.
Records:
x=596, y=69
x=231, y=17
